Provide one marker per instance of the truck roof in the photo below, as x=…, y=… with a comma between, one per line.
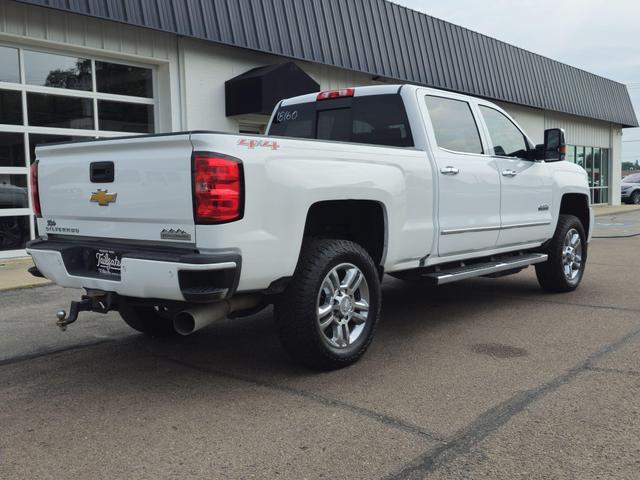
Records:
x=376, y=90
x=358, y=92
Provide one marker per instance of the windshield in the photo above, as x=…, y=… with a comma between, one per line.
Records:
x=635, y=178
x=372, y=119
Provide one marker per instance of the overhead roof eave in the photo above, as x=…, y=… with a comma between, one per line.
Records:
x=382, y=39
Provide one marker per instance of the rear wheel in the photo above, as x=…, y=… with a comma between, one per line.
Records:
x=327, y=316
x=150, y=320
x=567, y=257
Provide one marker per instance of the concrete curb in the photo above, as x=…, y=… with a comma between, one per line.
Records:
x=14, y=275
x=22, y=286
x=614, y=210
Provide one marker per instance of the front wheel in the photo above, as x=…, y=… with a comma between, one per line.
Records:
x=327, y=315
x=635, y=198
x=567, y=252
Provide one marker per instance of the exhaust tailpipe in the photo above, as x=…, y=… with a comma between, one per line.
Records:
x=188, y=321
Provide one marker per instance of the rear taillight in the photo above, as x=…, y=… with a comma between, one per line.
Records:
x=217, y=188
x=329, y=94
x=35, y=195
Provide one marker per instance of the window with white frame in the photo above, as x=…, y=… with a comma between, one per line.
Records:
x=48, y=97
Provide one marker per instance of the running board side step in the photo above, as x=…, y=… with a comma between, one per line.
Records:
x=487, y=268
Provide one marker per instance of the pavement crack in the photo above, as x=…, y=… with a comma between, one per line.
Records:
x=35, y=355
x=491, y=420
x=387, y=420
x=569, y=304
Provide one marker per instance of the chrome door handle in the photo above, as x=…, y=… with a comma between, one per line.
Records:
x=509, y=173
x=449, y=170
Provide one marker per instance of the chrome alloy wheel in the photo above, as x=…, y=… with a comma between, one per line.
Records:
x=572, y=254
x=343, y=305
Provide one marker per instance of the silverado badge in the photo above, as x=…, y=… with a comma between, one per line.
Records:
x=103, y=197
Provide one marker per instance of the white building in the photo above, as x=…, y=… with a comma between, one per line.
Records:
x=93, y=68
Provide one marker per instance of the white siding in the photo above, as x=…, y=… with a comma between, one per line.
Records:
x=206, y=66
x=615, y=165
x=65, y=29
x=581, y=131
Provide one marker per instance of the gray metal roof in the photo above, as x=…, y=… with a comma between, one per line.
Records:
x=380, y=38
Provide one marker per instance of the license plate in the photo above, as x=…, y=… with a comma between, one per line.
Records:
x=108, y=262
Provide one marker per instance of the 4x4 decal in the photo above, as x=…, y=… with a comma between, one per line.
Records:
x=252, y=143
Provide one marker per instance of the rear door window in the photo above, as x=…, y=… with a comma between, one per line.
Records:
x=453, y=125
x=372, y=119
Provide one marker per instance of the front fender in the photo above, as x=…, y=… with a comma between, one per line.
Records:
x=569, y=178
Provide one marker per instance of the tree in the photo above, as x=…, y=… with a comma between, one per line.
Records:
x=77, y=77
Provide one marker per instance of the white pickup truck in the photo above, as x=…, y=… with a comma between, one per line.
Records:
x=176, y=231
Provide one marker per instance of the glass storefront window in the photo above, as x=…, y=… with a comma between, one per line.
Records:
x=604, y=169
x=10, y=107
x=58, y=71
x=580, y=156
x=125, y=117
x=596, y=162
x=14, y=232
x=44, y=110
x=596, y=168
x=12, y=149
x=588, y=163
x=10, y=71
x=51, y=98
x=124, y=79
x=13, y=191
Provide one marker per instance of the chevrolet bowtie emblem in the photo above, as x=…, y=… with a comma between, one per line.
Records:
x=103, y=198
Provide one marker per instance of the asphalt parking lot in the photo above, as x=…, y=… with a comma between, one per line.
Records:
x=483, y=379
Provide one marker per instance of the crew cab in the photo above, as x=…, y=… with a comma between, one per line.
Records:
x=178, y=230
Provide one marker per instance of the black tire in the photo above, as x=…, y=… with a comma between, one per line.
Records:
x=635, y=198
x=551, y=274
x=296, y=310
x=148, y=320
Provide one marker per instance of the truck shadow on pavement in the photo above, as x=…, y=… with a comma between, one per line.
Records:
x=410, y=313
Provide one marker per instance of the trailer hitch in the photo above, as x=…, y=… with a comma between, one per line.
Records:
x=94, y=301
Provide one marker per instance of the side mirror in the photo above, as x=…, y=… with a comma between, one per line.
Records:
x=555, y=147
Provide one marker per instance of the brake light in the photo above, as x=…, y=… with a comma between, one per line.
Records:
x=35, y=195
x=329, y=94
x=217, y=188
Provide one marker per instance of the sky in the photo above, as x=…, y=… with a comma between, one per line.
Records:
x=602, y=37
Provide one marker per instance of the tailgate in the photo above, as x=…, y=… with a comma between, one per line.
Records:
x=149, y=197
